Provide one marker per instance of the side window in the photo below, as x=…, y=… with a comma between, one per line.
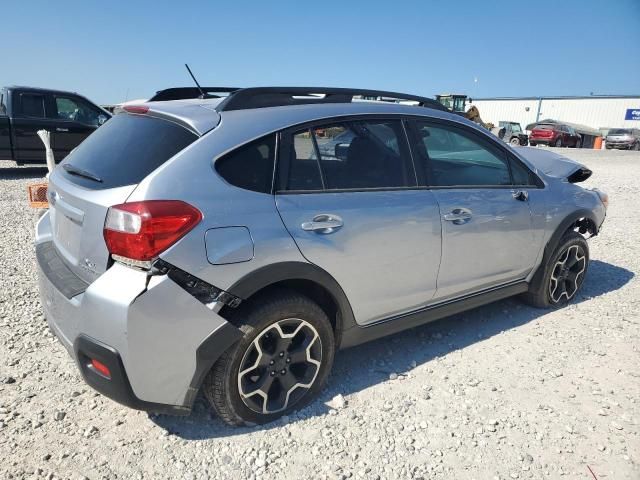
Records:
x=522, y=176
x=350, y=155
x=32, y=105
x=3, y=103
x=451, y=157
x=304, y=168
x=76, y=110
x=250, y=166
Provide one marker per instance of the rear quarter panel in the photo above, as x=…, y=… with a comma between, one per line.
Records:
x=190, y=176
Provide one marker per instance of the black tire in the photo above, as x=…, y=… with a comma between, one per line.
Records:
x=532, y=144
x=515, y=141
x=636, y=147
x=257, y=319
x=558, y=143
x=540, y=292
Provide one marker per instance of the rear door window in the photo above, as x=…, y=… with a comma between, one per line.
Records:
x=125, y=150
x=355, y=155
x=32, y=105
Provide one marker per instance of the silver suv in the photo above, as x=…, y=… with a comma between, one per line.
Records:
x=623, y=138
x=234, y=244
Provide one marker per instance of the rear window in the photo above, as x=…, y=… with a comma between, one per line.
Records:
x=544, y=127
x=32, y=105
x=125, y=150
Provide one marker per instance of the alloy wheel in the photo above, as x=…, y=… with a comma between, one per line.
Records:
x=567, y=274
x=280, y=366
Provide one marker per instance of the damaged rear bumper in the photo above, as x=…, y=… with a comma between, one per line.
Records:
x=158, y=341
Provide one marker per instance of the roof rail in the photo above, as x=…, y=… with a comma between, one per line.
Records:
x=184, y=93
x=260, y=97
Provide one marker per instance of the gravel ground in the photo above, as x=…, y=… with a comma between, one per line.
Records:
x=504, y=391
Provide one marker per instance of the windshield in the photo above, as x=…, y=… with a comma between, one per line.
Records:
x=619, y=131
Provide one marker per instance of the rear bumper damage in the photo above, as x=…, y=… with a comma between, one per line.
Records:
x=157, y=340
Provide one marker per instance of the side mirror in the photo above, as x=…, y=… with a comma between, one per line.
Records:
x=102, y=119
x=341, y=151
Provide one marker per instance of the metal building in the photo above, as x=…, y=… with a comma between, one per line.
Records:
x=600, y=112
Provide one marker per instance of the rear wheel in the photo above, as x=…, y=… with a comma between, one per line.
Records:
x=563, y=274
x=558, y=142
x=532, y=144
x=280, y=364
x=636, y=147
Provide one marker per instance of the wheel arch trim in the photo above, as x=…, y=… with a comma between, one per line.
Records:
x=279, y=272
x=556, y=237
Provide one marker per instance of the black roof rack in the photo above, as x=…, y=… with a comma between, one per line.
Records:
x=184, y=93
x=260, y=97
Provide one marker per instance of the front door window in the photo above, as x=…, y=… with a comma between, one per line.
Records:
x=76, y=110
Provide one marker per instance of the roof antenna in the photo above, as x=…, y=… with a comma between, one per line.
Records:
x=202, y=94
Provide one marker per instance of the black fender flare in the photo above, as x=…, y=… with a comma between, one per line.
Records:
x=282, y=271
x=555, y=239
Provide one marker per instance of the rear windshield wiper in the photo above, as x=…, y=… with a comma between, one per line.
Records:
x=81, y=173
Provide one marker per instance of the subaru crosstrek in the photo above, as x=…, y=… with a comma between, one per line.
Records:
x=233, y=244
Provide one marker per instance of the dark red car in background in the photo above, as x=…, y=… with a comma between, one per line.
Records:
x=554, y=135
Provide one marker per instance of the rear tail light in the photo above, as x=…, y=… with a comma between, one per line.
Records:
x=137, y=232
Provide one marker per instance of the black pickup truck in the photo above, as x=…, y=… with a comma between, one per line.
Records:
x=24, y=110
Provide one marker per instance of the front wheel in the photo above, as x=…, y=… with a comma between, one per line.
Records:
x=280, y=364
x=563, y=274
x=515, y=141
x=558, y=143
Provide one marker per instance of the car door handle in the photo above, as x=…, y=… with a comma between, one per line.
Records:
x=323, y=223
x=458, y=216
x=521, y=195
x=58, y=129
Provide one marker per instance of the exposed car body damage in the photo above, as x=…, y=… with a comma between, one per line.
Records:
x=554, y=165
